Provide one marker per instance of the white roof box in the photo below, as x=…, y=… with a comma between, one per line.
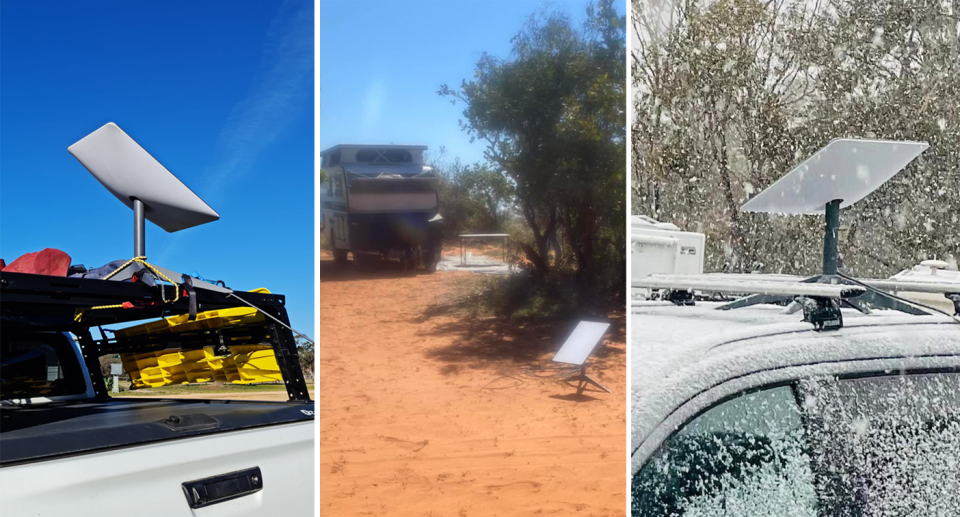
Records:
x=129, y=172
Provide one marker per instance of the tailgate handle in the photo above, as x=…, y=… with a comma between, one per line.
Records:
x=224, y=487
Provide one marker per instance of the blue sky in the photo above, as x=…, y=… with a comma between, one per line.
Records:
x=382, y=62
x=220, y=92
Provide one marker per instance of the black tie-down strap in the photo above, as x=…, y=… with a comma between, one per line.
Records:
x=190, y=293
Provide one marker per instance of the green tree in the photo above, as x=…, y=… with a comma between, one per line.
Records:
x=305, y=350
x=475, y=198
x=731, y=94
x=552, y=119
x=492, y=192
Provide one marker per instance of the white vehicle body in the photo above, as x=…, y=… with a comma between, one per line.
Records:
x=689, y=361
x=147, y=479
x=926, y=273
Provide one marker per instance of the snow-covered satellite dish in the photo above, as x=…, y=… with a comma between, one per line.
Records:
x=846, y=169
x=580, y=344
x=130, y=173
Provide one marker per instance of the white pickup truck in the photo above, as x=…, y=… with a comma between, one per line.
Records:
x=68, y=448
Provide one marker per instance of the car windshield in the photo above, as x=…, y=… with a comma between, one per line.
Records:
x=39, y=365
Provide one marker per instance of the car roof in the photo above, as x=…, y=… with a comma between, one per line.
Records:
x=678, y=352
x=666, y=337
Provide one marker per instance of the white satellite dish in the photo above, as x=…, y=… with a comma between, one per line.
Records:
x=846, y=169
x=139, y=181
x=837, y=176
x=578, y=347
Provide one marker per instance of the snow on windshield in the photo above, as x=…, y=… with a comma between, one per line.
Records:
x=868, y=446
x=899, y=437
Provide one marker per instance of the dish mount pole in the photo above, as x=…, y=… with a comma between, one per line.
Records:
x=831, y=275
x=139, y=229
x=831, y=249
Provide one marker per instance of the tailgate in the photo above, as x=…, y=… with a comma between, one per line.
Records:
x=148, y=479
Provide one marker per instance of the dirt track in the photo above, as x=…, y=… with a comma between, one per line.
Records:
x=423, y=413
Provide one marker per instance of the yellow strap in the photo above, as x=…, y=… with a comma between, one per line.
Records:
x=141, y=260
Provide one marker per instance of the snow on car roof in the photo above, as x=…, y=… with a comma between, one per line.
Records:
x=925, y=273
x=678, y=352
x=668, y=337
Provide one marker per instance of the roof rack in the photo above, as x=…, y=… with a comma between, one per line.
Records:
x=820, y=302
x=49, y=303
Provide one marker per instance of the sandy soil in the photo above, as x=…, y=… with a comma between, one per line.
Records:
x=424, y=413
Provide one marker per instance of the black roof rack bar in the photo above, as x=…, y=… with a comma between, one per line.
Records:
x=215, y=338
x=52, y=301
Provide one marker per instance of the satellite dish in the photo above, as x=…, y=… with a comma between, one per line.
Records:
x=139, y=181
x=577, y=348
x=846, y=169
x=837, y=176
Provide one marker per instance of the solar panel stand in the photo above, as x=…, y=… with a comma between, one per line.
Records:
x=583, y=380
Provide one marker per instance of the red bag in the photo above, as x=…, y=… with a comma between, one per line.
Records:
x=50, y=261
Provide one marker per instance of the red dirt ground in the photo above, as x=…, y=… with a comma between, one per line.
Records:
x=409, y=424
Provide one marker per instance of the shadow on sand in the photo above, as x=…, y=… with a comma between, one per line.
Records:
x=490, y=342
x=573, y=397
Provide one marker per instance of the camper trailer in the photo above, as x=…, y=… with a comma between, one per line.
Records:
x=381, y=202
x=658, y=247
